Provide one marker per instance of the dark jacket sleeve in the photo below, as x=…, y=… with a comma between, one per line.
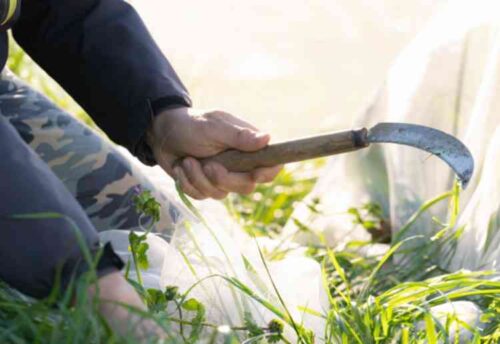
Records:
x=102, y=54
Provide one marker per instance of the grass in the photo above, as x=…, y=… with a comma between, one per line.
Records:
x=371, y=299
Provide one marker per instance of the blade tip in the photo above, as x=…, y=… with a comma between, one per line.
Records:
x=465, y=177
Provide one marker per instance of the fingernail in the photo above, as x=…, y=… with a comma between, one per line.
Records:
x=260, y=135
x=188, y=164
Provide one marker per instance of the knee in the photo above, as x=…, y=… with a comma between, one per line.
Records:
x=36, y=254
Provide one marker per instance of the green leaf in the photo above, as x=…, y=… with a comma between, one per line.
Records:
x=171, y=293
x=275, y=328
x=430, y=329
x=142, y=257
x=253, y=329
x=156, y=300
x=147, y=205
x=139, y=248
x=197, y=322
x=192, y=305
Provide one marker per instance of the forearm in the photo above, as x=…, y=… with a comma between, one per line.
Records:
x=101, y=52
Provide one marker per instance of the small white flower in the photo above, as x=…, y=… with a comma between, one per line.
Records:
x=224, y=329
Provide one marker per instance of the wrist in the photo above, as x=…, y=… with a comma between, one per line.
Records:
x=144, y=149
x=165, y=119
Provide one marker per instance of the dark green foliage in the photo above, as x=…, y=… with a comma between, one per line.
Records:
x=192, y=305
x=156, y=300
x=253, y=329
x=147, y=205
x=171, y=293
x=266, y=211
x=139, y=247
x=371, y=217
x=275, y=328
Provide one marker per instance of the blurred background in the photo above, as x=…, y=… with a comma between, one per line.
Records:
x=292, y=67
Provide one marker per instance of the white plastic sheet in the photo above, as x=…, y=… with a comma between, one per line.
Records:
x=448, y=78
x=200, y=253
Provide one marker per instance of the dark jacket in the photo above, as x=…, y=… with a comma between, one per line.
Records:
x=102, y=54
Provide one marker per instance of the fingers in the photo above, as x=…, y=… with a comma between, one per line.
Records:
x=166, y=162
x=242, y=183
x=186, y=185
x=231, y=132
x=266, y=174
x=212, y=133
x=198, y=179
x=195, y=183
x=215, y=181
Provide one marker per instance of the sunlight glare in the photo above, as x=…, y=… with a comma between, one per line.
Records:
x=260, y=66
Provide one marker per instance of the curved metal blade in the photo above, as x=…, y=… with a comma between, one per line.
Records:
x=436, y=142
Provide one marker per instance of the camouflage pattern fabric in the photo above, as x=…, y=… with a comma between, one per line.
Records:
x=101, y=178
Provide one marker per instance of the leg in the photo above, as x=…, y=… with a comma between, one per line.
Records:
x=33, y=250
x=102, y=179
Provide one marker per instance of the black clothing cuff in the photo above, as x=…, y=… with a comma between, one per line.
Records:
x=142, y=150
x=168, y=103
x=109, y=261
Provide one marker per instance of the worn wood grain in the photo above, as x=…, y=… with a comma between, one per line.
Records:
x=292, y=151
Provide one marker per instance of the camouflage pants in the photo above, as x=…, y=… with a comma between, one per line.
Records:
x=101, y=178
x=51, y=162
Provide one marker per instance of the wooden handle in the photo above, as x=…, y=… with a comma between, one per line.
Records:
x=292, y=151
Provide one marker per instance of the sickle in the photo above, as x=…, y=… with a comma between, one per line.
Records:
x=436, y=142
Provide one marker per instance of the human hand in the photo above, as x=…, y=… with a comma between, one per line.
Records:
x=179, y=136
x=117, y=300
